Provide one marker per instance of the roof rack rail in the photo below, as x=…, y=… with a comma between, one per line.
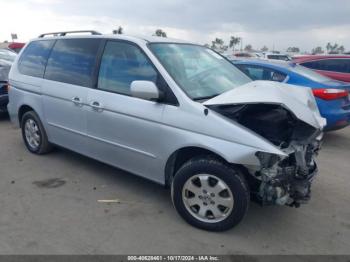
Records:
x=70, y=32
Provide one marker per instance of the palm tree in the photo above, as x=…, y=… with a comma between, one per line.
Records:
x=329, y=47
x=234, y=41
x=218, y=45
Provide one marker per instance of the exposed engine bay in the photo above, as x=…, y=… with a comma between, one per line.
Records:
x=278, y=180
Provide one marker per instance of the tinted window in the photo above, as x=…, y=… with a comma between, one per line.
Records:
x=262, y=73
x=243, y=55
x=72, y=61
x=121, y=64
x=335, y=65
x=34, y=58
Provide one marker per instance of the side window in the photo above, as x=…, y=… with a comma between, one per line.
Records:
x=72, y=61
x=277, y=76
x=34, y=58
x=261, y=73
x=255, y=73
x=312, y=65
x=121, y=64
x=336, y=65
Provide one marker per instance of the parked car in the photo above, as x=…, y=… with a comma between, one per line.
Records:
x=332, y=96
x=16, y=47
x=274, y=56
x=6, y=59
x=173, y=112
x=245, y=55
x=334, y=66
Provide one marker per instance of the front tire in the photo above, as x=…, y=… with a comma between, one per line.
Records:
x=210, y=194
x=34, y=134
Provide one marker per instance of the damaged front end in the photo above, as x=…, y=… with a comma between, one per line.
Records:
x=287, y=181
x=281, y=180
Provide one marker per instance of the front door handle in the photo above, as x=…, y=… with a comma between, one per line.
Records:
x=77, y=101
x=96, y=106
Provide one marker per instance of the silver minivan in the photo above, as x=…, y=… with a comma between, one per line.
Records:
x=173, y=112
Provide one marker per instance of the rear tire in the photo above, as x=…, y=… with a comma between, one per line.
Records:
x=210, y=194
x=34, y=134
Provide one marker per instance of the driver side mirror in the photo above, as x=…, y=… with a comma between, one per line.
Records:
x=145, y=90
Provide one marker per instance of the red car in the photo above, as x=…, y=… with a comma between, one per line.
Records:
x=16, y=46
x=333, y=66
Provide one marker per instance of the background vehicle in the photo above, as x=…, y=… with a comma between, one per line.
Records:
x=334, y=66
x=16, y=47
x=245, y=55
x=172, y=112
x=332, y=96
x=274, y=56
x=6, y=59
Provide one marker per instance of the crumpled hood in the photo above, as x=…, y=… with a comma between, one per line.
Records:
x=299, y=100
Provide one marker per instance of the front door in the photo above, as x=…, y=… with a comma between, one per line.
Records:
x=124, y=130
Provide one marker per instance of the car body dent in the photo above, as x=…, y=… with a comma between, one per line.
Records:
x=299, y=101
x=232, y=141
x=334, y=111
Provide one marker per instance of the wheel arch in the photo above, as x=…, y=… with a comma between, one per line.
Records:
x=22, y=110
x=182, y=155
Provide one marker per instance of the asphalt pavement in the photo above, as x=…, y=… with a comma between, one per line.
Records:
x=50, y=205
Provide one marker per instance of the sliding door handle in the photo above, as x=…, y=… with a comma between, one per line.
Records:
x=96, y=106
x=77, y=101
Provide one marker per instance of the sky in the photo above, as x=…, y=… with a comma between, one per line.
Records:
x=277, y=24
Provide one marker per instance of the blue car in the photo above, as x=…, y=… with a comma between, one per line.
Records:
x=332, y=96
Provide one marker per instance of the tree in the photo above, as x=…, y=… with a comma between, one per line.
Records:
x=118, y=31
x=248, y=48
x=234, y=41
x=217, y=42
x=332, y=48
x=293, y=49
x=218, y=45
x=317, y=50
x=335, y=48
x=264, y=49
x=160, y=33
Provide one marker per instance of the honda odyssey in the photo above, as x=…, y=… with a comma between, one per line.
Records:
x=173, y=112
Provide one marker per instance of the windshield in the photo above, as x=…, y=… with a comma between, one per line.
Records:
x=308, y=73
x=7, y=55
x=198, y=70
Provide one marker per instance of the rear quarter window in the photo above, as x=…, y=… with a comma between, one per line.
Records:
x=72, y=61
x=34, y=58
